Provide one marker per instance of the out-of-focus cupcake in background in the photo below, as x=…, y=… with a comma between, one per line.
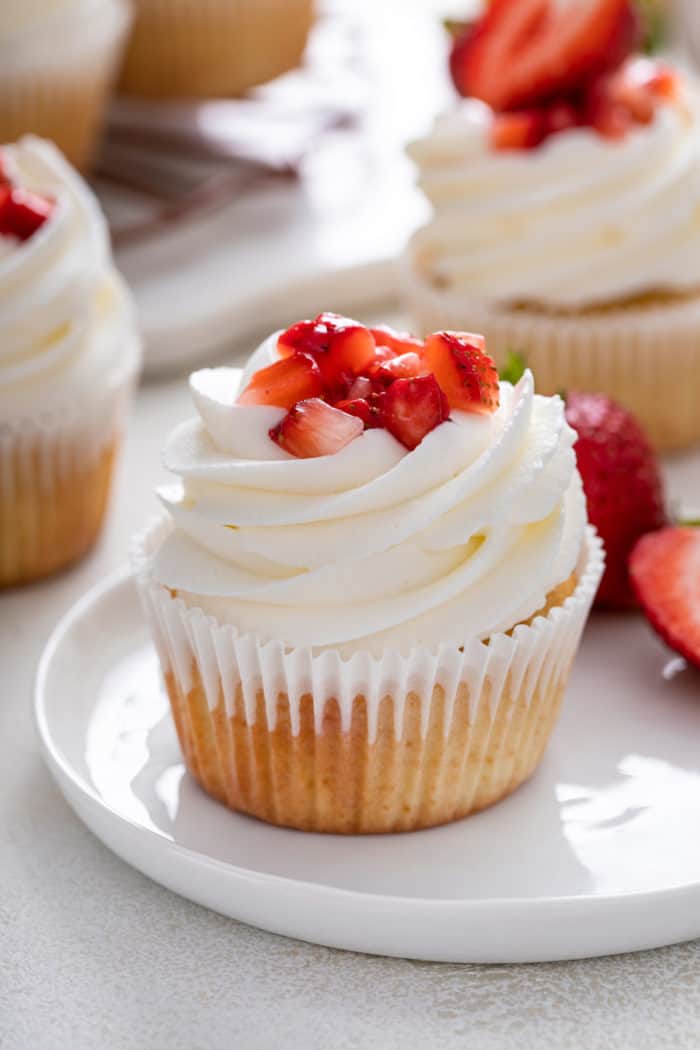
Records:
x=58, y=63
x=565, y=193
x=212, y=48
x=69, y=355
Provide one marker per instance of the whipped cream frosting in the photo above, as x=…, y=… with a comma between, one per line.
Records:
x=67, y=327
x=579, y=221
x=375, y=546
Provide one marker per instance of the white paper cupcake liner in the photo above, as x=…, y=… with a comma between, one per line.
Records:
x=630, y=352
x=435, y=735
x=55, y=473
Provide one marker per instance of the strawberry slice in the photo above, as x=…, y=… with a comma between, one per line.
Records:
x=405, y=366
x=399, y=342
x=665, y=573
x=464, y=370
x=523, y=129
x=313, y=428
x=414, y=407
x=284, y=383
x=523, y=52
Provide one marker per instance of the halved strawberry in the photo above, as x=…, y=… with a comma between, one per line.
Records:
x=284, y=383
x=665, y=574
x=399, y=342
x=313, y=428
x=405, y=366
x=414, y=407
x=464, y=370
x=523, y=52
x=522, y=129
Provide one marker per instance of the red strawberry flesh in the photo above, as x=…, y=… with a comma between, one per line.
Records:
x=665, y=575
x=465, y=372
x=399, y=342
x=313, y=428
x=414, y=407
x=284, y=383
x=622, y=483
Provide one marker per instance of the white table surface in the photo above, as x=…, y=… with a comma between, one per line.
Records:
x=94, y=955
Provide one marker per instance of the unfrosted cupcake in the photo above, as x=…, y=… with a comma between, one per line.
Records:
x=211, y=48
x=565, y=213
x=371, y=581
x=58, y=62
x=69, y=355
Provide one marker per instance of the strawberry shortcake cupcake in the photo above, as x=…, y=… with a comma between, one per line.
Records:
x=565, y=193
x=371, y=581
x=69, y=356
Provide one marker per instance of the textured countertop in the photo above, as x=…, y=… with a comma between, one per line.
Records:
x=94, y=955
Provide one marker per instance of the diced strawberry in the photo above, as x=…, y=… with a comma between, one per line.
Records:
x=523, y=52
x=414, y=407
x=405, y=366
x=561, y=116
x=341, y=347
x=313, y=428
x=284, y=383
x=665, y=575
x=399, y=342
x=635, y=97
x=22, y=212
x=464, y=370
x=665, y=83
x=362, y=387
x=610, y=118
x=522, y=129
x=362, y=408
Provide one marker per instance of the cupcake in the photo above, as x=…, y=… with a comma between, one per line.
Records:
x=69, y=355
x=371, y=581
x=565, y=195
x=58, y=61
x=210, y=48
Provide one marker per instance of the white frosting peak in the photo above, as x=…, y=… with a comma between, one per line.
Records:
x=375, y=546
x=578, y=221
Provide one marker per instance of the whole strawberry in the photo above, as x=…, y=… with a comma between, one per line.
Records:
x=622, y=483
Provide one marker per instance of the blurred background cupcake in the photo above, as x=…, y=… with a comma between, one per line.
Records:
x=69, y=355
x=199, y=48
x=58, y=62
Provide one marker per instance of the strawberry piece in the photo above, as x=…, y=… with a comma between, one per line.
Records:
x=361, y=387
x=22, y=213
x=622, y=483
x=341, y=347
x=414, y=407
x=313, y=428
x=366, y=409
x=523, y=52
x=399, y=342
x=561, y=116
x=665, y=573
x=464, y=370
x=284, y=383
x=523, y=129
x=405, y=366
x=634, y=95
x=665, y=84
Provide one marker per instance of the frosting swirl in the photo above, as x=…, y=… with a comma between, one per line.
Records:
x=577, y=222
x=374, y=546
x=65, y=315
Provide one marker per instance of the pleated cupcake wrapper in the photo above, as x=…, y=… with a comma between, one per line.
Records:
x=369, y=743
x=212, y=47
x=630, y=352
x=56, y=81
x=55, y=472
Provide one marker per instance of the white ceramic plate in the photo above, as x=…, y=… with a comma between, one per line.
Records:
x=599, y=853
